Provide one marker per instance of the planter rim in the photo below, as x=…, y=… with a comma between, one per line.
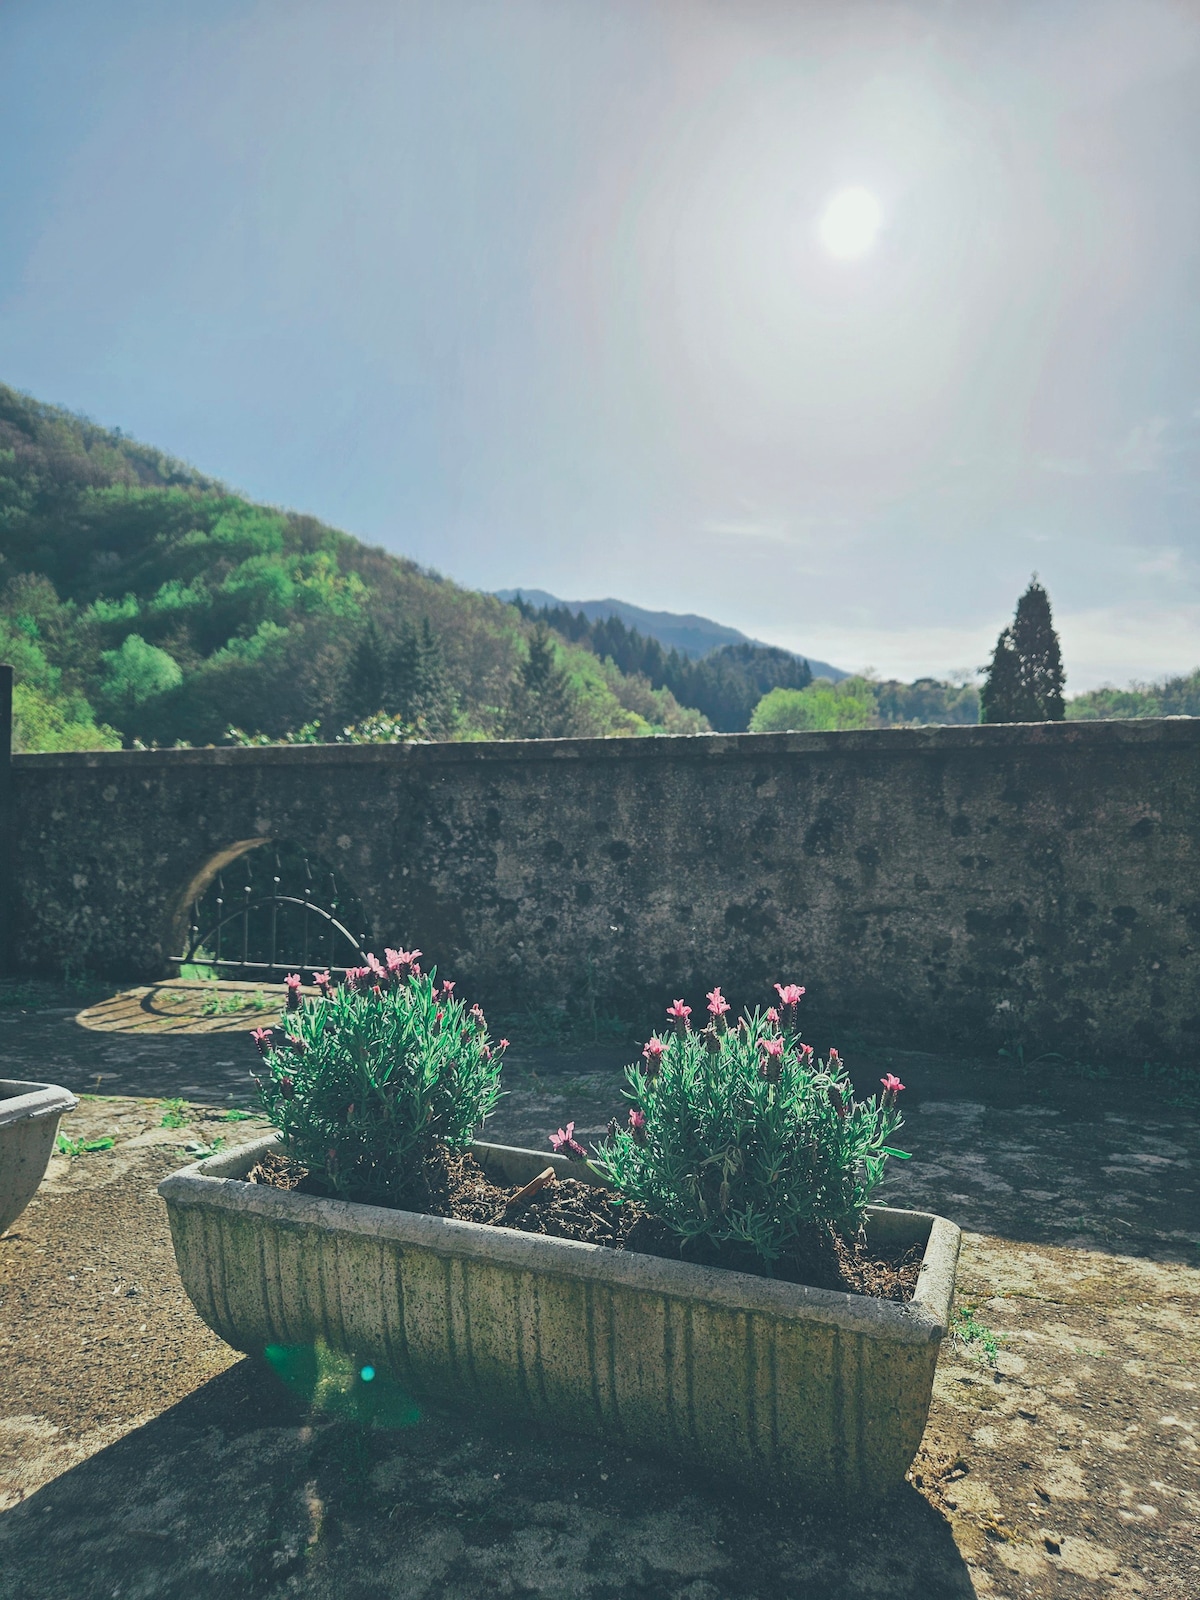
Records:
x=216, y=1182
x=20, y=1099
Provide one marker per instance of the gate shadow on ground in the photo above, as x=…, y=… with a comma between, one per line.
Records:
x=244, y=1490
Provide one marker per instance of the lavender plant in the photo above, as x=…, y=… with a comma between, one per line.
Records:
x=740, y=1136
x=364, y=1080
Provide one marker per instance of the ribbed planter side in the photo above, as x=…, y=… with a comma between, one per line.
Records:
x=29, y=1116
x=774, y=1384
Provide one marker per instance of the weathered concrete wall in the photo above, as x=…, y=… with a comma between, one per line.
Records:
x=970, y=884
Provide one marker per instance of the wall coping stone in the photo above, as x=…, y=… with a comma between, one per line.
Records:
x=1030, y=738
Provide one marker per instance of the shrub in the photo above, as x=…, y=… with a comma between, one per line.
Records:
x=740, y=1136
x=821, y=707
x=365, y=1080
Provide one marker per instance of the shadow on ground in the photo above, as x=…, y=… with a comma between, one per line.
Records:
x=241, y=1491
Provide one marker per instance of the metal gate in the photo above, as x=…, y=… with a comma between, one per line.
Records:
x=274, y=910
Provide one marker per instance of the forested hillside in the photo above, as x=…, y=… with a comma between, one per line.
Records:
x=726, y=684
x=144, y=603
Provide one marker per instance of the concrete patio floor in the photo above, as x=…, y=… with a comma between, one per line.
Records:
x=140, y=1457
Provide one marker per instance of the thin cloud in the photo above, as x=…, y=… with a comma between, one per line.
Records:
x=1145, y=446
x=768, y=532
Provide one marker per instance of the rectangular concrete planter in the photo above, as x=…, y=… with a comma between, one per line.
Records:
x=29, y=1114
x=783, y=1388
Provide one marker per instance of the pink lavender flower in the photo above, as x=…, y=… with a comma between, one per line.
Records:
x=652, y=1053
x=564, y=1142
x=891, y=1084
x=399, y=961
x=504, y=1044
x=717, y=1003
x=770, y=1061
x=806, y=1051
x=772, y=1015
x=789, y=997
x=637, y=1120
x=835, y=1060
x=322, y=981
x=679, y=1014
x=262, y=1038
x=447, y=989
x=374, y=967
x=287, y=1088
x=293, y=991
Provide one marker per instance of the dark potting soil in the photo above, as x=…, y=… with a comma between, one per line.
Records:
x=453, y=1184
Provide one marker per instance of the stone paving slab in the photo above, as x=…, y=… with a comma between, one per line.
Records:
x=140, y=1457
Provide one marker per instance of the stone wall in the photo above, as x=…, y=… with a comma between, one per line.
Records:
x=969, y=885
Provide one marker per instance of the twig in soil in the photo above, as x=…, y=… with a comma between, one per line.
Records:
x=516, y=1202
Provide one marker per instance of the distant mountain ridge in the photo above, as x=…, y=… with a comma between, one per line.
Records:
x=691, y=635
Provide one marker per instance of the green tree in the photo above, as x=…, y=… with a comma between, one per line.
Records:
x=821, y=707
x=926, y=702
x=1168, y=697
x=419, y=690
x=44, y=721
x=1025, y=679
x=541, y=703
x=134, y=674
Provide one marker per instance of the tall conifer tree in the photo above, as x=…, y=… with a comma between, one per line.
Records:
x=542, y=704
x=1025, y=679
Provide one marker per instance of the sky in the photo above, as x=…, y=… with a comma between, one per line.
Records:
x=554, y=294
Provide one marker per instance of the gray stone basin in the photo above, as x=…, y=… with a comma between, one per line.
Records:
x=775, y=1384
x=29, y=1114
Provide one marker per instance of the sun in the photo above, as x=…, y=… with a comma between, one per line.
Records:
x=850, y=223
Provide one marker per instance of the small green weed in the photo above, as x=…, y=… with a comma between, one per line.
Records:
x=216, y=1004
x=175, y=1114
x=968, y=1331
x=234, y=1115
x=201, y=1152
x=81, y=1147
